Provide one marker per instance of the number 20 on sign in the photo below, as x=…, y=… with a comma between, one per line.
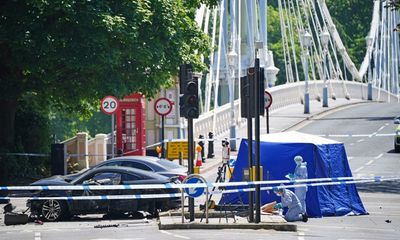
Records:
x=109, y=104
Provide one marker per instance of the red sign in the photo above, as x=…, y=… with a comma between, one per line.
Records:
x=109, y=104
x=163, y=106
x=267, y=99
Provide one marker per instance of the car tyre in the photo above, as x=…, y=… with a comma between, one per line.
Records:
x=54, y=210
x=397, y=148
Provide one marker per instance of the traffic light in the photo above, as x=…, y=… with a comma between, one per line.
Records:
x=189, y=99
x=247, y=97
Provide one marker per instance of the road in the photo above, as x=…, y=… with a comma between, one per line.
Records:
x=367, y=132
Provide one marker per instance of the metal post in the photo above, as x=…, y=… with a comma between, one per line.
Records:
x=267, y=110
x=232, y=130
x=257, y=137
x=190, y=163
x=325, y=89
x=250, y=147
x=162, y=136
x=210, y=147
x=183, y=205
x=306, y=93
x=112, y=135
x=206, y=204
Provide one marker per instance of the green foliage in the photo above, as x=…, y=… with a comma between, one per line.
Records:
x=65, y=55
x=352, y=19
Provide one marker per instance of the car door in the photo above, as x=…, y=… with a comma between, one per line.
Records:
x=127, y=205
x=97, y=205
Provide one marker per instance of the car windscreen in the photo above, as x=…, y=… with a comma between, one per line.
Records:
x=168, y=164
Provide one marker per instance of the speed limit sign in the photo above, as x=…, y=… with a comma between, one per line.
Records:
x=267, y=99
x=109, y=104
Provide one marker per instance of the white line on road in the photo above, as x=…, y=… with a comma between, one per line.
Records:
x=301, y=236
x=361, y=140
x=369, y=163
x=379, y=156
x=165, y=232
x=175, y=235
x=349, y=158
x=37, y=236
x=359, y=169
x=381, y=128
x=179, y=236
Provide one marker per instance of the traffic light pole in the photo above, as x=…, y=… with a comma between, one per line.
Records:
x=190, y=163
x=250, y=151
x=257, y=137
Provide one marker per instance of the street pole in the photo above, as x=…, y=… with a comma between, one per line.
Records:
x=162, y=136
x=112, y=135
x=369, y=44
x=232, y=130
x=257, y=136
x=324, y=36
x=307, y=38
x=190, y=163
x=267, y=110
x=249, y=106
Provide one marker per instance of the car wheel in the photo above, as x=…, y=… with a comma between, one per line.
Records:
x=54, y=210
x=397, y=148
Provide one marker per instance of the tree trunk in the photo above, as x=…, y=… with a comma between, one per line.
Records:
x=7, y=123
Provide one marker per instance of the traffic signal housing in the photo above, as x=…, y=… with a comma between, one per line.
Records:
x=189, y=99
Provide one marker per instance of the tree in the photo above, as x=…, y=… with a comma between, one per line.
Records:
x=68, y=54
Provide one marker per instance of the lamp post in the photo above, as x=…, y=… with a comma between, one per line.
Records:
x=307, y=41
x=324, y=36
x=232, y=130
x=369, y=41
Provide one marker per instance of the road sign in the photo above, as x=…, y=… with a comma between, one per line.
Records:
x=194, y=192
x=267, y=99
x=163, y=106
x=174, y=148
x=109, y=104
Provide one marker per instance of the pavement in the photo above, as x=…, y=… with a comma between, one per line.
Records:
x=284, y=119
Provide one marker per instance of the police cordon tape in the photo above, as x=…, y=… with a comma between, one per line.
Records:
x=173, y=195
x=190, y=185
x=182, y=186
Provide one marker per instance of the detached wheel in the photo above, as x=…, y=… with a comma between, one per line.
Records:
x=54, y=210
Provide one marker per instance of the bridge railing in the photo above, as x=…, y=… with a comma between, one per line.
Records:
x=288, y=94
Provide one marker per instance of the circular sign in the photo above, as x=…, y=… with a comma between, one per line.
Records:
x=109, y=104
x=163, y=106
x=267, y=99
x=194, y=192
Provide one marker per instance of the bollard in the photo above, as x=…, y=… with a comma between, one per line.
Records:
x=210, y=145
x=201, y=144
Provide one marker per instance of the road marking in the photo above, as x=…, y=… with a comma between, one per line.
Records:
x=165, y=232
x=359, y=169
x=175, y=235
x=37, y=236
x=301, y=236
x=179, y=236
x=361, y=140
x=375, y=134
x=379, y=156
x=349, y=158
x=369, y=163
x=381, y=128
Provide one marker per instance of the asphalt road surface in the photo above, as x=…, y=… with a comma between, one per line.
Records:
x=367, y=132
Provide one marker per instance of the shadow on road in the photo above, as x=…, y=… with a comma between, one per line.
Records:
x=381, y=187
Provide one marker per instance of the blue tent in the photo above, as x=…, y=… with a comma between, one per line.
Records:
x=325, y=159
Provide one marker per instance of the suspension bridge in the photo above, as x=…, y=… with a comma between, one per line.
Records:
x=316, y=62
